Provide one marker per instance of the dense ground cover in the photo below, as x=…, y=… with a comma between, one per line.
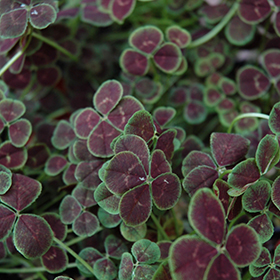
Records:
x=139, y=139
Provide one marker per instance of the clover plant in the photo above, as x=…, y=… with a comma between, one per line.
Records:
x=139, y=139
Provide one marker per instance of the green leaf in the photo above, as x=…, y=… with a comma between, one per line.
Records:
x=133, y=234
x=105, y=269
x=145, y=251
x=126, y=267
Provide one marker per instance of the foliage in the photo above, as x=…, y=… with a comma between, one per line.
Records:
x=139, y=139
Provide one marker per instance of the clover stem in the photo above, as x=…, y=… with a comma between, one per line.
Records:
x=175, y=222
x=27, y=269
x=58, y=113
x=23, y=270
x=74, y=254
x=75, y=240
x=28, y=88
x=15, y=57
x=31, y=270
x=51, y=202
x=78, y=239
x=247, y=276
x=247, y=115
x=55, y=45
x=235, y=219
x=216, y=29
x=10, y=62
x=225, y=173
x=159, y=227
x=206, y=130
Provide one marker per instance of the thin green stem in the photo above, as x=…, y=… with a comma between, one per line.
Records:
x=231, y=205
x=58, y=113
x=55, y=45
x=247, y=276
x=41, y=275
x=247, y=115
x=27, y=266
x=11, y=61
x=175, y=222
x=41, y=176
x=79, y=238
x=23, y=270
x=28, y=88
x=235, y=219
x=15, y=57
x=74, y=254
x=75, y=240
x=216, y=29
x=225, y=173
x=159, y=227
x=206, y=131
x=51, y=202
x=30, y=269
